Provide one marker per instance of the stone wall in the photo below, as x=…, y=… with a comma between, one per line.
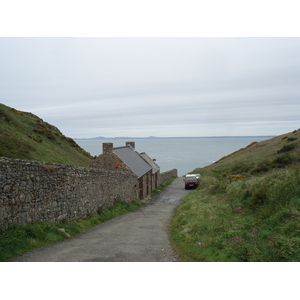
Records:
x=166, y=175
x=35, y=191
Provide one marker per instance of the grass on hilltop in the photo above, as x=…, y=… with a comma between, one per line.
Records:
x=246, y=208
x=25, y=136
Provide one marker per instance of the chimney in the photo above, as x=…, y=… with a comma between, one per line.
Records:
x=107, y=148
x=132, y=144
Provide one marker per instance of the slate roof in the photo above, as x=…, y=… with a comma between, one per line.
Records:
x=133, y=160
x=155, y=167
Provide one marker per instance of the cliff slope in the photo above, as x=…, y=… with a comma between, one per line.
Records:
x=279, y=152
x=24, y=135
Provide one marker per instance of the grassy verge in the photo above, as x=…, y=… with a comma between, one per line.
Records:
x=240, y=218
x=22, y=238
x=19, y=239
x=162, y=186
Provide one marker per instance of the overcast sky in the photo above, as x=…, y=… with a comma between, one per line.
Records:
x=90, y=87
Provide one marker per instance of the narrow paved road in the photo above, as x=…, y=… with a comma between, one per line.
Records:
x=138, y=236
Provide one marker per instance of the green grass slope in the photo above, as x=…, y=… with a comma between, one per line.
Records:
x=25, y=136
x=246, y=208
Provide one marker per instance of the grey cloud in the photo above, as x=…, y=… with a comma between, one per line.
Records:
x=94, y=85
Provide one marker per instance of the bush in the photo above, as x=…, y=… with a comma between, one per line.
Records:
x=263, y=168
x=287, y=148
x=271, y=191
x=241, y=168
x=4, y=116
x=283, y=160
x=257, y=196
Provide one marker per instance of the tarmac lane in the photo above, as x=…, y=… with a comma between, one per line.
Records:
x=138, y=236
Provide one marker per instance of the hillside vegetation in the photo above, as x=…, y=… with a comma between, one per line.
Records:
x=246, y=208
x=25, y=136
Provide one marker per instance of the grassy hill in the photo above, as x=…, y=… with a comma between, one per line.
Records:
x=25, y=136
x=247, y=206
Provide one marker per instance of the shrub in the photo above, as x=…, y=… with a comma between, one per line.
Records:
x=283, y=160
x=241, y=168
x=4, y=116
x=287, y=148
x=20, y=113
x=41, y=129
x=38, y=139
x=273, y=191
x=262, y=168
x=258, y=196
x=14, y=148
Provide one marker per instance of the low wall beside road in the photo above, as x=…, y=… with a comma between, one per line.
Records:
x=166, y=175
x=33, y=191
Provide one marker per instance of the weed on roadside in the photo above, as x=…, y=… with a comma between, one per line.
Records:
x=19, y=239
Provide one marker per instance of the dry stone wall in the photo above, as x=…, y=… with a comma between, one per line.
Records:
x=166, y=175
x=35, y=191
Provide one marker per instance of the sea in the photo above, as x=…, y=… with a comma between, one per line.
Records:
x=183, y=154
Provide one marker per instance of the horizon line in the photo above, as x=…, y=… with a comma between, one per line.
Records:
x=174, y=137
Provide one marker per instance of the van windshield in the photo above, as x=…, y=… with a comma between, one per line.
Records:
x=191, y=179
